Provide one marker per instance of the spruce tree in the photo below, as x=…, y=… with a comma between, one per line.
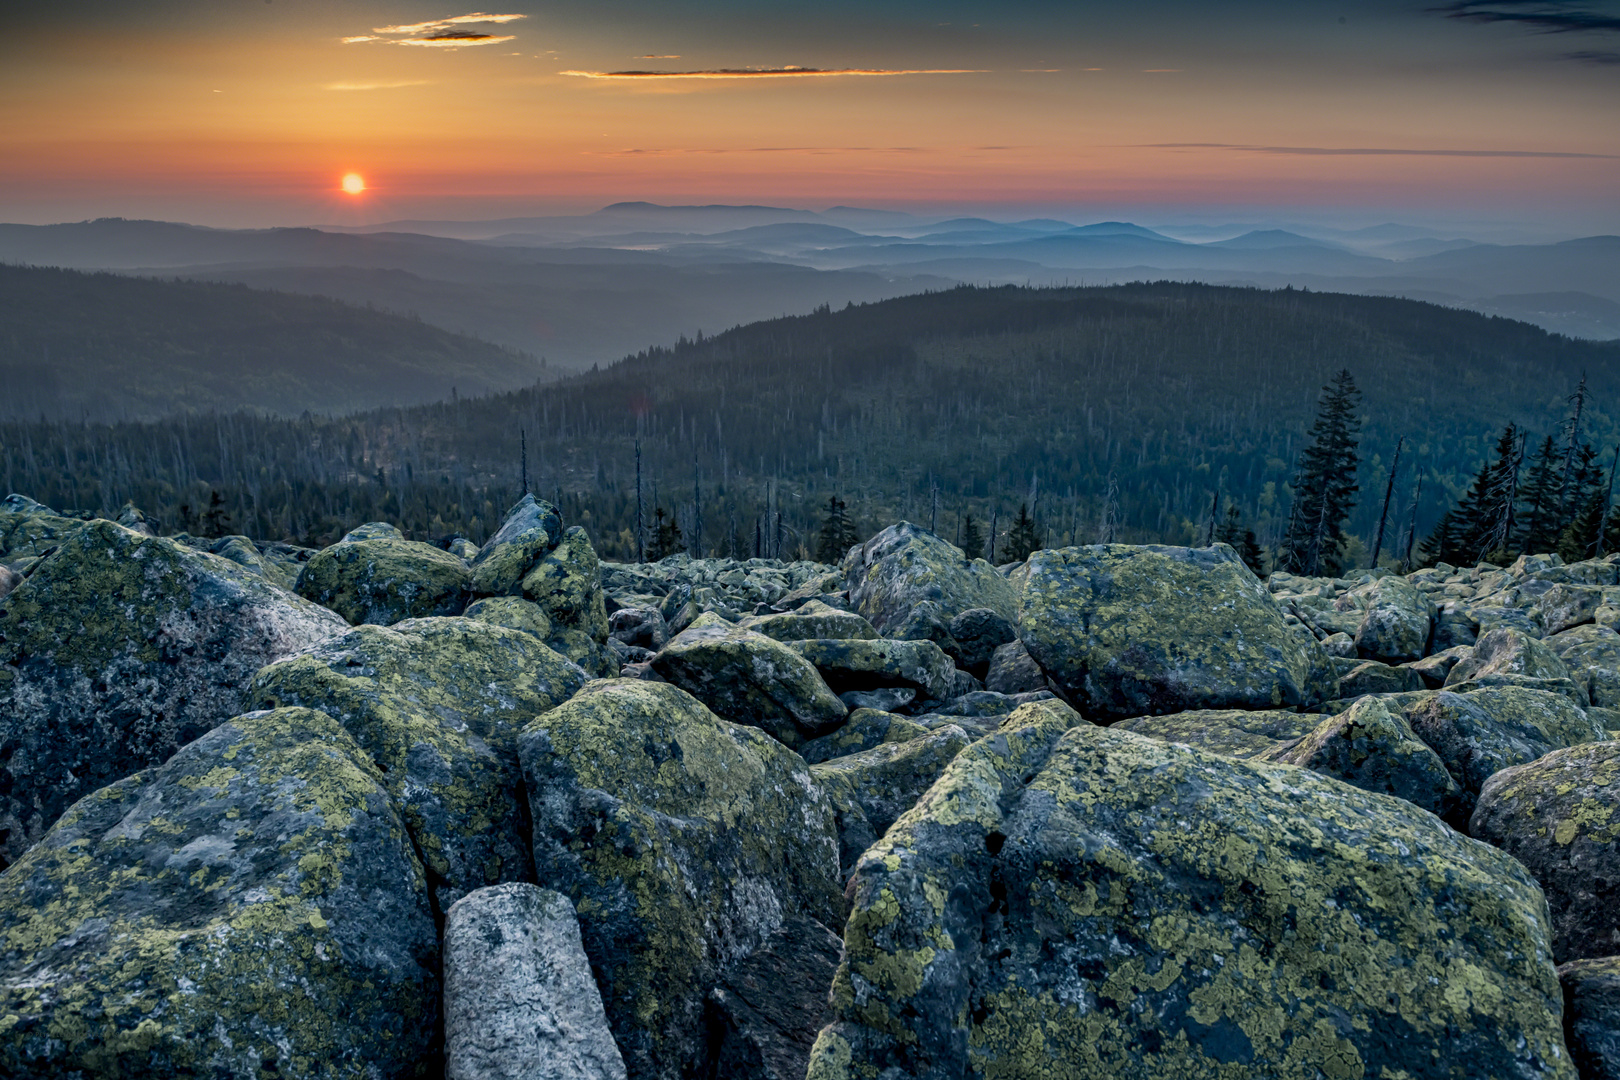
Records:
x=1584, y=496
x=837, y=535
x=666, y=540
x=1491, y=532
x=1325, y=485
x=972, y=538
x=1540, y=497
x=1232, y=533
x=1023, y=539
x=1456, y=538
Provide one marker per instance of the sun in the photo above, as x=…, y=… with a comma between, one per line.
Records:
x=354, y=183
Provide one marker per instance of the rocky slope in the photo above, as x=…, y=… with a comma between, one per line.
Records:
x=393, y=809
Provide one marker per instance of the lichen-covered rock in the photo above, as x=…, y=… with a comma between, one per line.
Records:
x=813, y=619
x=751, y=679
x=1564, y=606
x=866, y=728
x=1480, y=733
x=906, y=565
x=1374, y=749
x=519, y=999
x=118, y=649
x=1339, y=644
x=241, y=551
x=531, y=531
x=1592, y=655
x=1128, y=631
x=643, y=627
x=765, y=1016
x=978, y=633
x=512, y=612
x=1506, y=651
x=870, y=789
x=1014, y=671
x=684, y=841
x=382, y=581
x=853, y=664
x=1560, y=816
x=567, y=583
x=1592, y=1015
x=372, y=530
x=28, y=528
x=986, y=703
x=250, y=908
x=1397, y=622
x=1091, y=903
x=9, y=579
x=1233, y=732
x=884, y=698
x=1434, y=669
x=1373, y=677
x=438, y=704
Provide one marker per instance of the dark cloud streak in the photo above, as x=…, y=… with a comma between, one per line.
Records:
x=1372, y=151
x=1546, y=17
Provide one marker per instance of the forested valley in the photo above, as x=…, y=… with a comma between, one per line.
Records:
x=1141, y=413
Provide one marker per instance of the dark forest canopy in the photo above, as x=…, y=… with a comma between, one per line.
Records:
x=106, y=347
x=1159, y=393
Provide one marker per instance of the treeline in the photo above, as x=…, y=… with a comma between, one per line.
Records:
x=1143, y=413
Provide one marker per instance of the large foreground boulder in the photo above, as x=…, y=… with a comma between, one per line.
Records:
x=519, y=1000
x=385, y=580
x=751, y=679
x=905, y=565
x=438, y=704
x=118, y=649
x=1091, y=903
x=251, y=908
x=1127, y=631
x=1560, y=816
x=684, y=842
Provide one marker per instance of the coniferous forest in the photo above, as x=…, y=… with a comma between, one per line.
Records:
x=1028, y=417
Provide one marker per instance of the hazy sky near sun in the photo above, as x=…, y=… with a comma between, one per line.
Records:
x=251, y=111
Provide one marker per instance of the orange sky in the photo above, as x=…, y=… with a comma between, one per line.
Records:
x=250, y=111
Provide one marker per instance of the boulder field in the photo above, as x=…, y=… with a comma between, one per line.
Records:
x=403, y=809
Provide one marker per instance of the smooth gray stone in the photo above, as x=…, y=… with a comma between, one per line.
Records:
x=519, y=1000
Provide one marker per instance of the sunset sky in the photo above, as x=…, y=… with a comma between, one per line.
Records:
x=251, y=112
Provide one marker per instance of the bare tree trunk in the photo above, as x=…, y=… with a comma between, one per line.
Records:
x=1389, y=493
x=641, y=516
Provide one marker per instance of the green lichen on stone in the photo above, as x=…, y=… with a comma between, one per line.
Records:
x=116, y=650
x=382, y=581
x=1089, y=903
x=905, y=566
x=812, y=619
x=1560, y=816
x=1129, y=631
x=567, y=584
x=438, y=704
x=1233, y=732
x=514, y=613
x=751, y=679
x=530, y=531
x=865, y=729
x=28, y=528
x=250, y=908
x=683, y=841
x=855, y=664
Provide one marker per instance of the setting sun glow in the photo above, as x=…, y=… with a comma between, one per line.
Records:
x=354, y=183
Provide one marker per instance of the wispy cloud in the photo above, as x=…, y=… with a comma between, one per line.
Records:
x=376, y=85
x=449, y=32
x=1371, y=151
x=1546, y=16
x=796, y=150
x=659, y=56
x=771, y=73
x=1594, y=56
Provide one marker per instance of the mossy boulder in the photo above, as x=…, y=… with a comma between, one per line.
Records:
x=512, y=612
x=1592, y=655
x=1127, y=631
x=531, y=531
x=1565, y=605
x=384, y=581
x=250, y=908
x=1374, y=677
x=1506, y=651
x=438, y=704
x=118, y=649
x=813, y=619
x=567, y=584
x=1086, y=902
x=1592, y=1015
x=684, y=841
x=1480, y=733
x=751, y=679
x=977, y=633
x=1373, y=748
x=852, y=664
x=1397, y=621
x=906, y=565
x=1013, y=671
x=28, y=528
x=870, y=789
x=1560, y=816
x=865, y=729
x=1233, y=732
x=9, y=579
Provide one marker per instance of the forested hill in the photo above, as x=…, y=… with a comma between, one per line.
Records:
x=1158, y=393
x=107, y=347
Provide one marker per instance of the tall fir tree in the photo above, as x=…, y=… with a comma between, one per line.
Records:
x=1024, y=538
x=1540, y=498
x=1584, y=495
x=837, y=534
x=972, y=538
x=1325, y=485
x=1456, y=537
x=1491, y=532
